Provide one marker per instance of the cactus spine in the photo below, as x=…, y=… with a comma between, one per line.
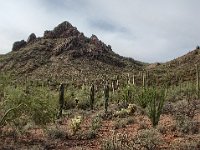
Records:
x=61, y=99
x=92, y=96
x=106, y=96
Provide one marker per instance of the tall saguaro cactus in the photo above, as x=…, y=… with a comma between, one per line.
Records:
x=197, y=79
x=61, y=99
x=144, y=79
x=106, y=96
x=128, y=78
x=133, y=79
x=92, y=96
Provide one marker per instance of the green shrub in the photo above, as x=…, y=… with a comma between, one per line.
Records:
x=83, y=96
x=143, y=96
x=96, y=122
x=55, y=133
x=147, y=139
x=39, y=104
x=120, y=123
x=185, y=144
x=117, y=142
x=185, y=124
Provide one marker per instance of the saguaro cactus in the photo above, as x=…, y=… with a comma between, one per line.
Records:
x=133, y=79
x=92, y=96
x=144, y=79
x=128, y=78
x=106, y=96
x=61, y=99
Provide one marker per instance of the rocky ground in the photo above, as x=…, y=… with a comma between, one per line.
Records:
x=120, y=132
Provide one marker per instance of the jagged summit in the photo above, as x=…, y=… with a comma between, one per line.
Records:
x=63, y=30
x=64, y=52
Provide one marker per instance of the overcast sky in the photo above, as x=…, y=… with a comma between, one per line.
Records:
x=146, y=30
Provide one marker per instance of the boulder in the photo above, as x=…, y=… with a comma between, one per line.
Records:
x=31, y=38
x=18, y=45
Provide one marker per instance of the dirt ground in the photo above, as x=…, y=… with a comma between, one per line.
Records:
x=36, y=138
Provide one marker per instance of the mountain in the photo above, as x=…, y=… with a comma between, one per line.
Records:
x=178, y=70
x=65, y=53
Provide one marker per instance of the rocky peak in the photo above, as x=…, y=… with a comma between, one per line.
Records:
x=31, y=38
x=18, y=45
x=94, y=38
x=63, y=30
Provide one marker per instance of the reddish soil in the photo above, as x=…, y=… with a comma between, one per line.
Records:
x=37, y=139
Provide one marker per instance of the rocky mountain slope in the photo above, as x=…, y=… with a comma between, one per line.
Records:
x=65, y=53
x=178, y=70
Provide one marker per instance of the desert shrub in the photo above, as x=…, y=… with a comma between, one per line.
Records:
x=83, y=98
x=127, y=94
x=148, y=139
x=125, y=112
x=55, y=133
x=182, y=92
x=69, y=99
x=185, y=144
x=168, y=108
x=143, y=96
x=130, y=120
x=142, y=125
x=37, y=103
x=96, y=122
x=116, y=142
x=91, y=134
x=120, y=123
x=185, y=124
x=184, y=107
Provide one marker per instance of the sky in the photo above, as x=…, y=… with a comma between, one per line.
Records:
x=145, y=30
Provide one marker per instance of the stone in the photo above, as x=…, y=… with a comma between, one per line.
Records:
x=31, y=38
x=18, y=45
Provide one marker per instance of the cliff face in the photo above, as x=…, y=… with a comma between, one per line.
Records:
x=64, y=53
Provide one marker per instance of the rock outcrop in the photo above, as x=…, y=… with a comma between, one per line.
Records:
x=18, y=45
x=63, y=30
x=32, y=37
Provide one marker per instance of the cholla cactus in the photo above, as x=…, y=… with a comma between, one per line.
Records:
x=106, y=96
x=92, y=96
x=61, y=99
x=75, y=124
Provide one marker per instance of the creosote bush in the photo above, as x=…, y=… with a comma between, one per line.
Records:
x=148, y=139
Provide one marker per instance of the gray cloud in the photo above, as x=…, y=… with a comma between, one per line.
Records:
x=150, y=31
